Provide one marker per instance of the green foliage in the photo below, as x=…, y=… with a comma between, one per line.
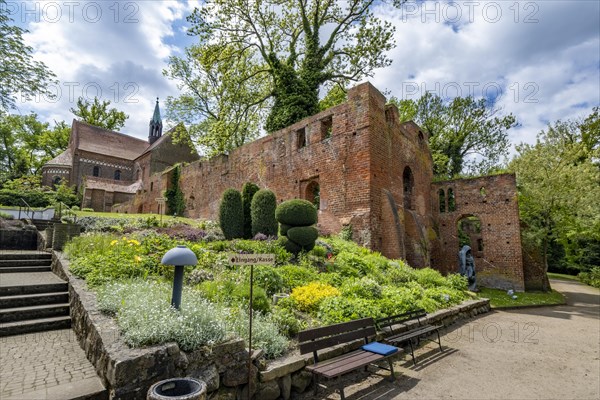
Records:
x=364, y=287
x=288, y=321
x=145, y=316
x=334, y=310
x=174, y=195
x=499, y=298
x=265, y=332
x=458, y=131
x=592, y=277
x=297, y=275
x=262, y=211
x=223, y=95
x=295, y=46
x=260, y=301
x=19, y=72
x=26, y=144
x=305, y=236
x=296, y=212
x=550, y=176
x=98, y=114
x=269, y=279
x=290, y=246
x=4, y=215
x=428, y=277
x=335, y=96
x=231, y=214
x=283, y=228
x=248, y=192
x=346, y=233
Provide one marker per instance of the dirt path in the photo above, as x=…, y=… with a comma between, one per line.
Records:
x=535, y=353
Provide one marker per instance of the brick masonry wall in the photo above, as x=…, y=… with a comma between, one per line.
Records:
x=493, y=200
x=84, y=162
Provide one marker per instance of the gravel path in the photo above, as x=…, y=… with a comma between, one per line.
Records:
x=534, y=353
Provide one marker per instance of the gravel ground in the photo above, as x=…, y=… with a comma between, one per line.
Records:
x=534, y=353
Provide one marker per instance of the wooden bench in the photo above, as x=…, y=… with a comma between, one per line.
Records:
x=314, y=340
x=394, y=327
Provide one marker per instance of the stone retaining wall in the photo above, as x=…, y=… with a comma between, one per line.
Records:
x=128, y=373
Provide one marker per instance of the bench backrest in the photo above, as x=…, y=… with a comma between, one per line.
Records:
x=313, y=340
x=401, y=318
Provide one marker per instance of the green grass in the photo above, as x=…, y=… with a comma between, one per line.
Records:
x=165, y=218
x=499, y=298
x=564, y=277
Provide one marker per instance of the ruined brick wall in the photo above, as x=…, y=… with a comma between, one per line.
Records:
x=493, y=200
x=167, y=154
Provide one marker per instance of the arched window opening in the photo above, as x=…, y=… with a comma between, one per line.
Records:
x=469, y=233
x=138, y=175
x=442, y=199
x=451, y=201
x=409, y=183
x=56, y=181
x=312, y=193
x=118, y=175
x=421, y=138
x=151, y=186
x=96, y=171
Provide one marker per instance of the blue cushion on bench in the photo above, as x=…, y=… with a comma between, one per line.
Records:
x=380, y=348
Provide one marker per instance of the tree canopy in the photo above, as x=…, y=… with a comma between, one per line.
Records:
x=98, y=114
x=466, y=136
x=19, y=72
x=558, y=179
x=289, y=50
x=26, y=144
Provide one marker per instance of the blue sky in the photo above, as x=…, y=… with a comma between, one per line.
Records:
x=539, y=60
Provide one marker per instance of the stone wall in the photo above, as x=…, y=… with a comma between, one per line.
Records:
x=128, y=373
x=19, y=239
x=492, y=199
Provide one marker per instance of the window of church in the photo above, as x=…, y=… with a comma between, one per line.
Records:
x=96, y=171
x=118, y=175
x=301, y=138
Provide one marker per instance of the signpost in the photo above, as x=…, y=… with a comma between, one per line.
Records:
x=251, y=260
x=161, y=201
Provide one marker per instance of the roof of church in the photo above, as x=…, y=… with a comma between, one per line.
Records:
x=64, y=159
x=102, y=141
x=110, y=185
x=156, y=115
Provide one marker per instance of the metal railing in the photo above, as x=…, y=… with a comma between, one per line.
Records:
x=27, y=208
x=64, y=211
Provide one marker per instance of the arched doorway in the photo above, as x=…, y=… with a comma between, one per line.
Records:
x=312, y=193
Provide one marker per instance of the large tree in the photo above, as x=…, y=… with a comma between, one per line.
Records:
x=19, y=72
x=223, y=96
x=558, y=179
x=299, y=45
x=99, y=114
x=26, y=144
x=466, y=136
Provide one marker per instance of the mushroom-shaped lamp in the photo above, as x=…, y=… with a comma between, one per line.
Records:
x=179, y=257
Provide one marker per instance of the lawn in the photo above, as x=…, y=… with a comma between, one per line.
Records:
x=165, y=218
x=564, y=277
x=500, y=299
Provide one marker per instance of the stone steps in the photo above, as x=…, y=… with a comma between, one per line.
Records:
x=32, y=298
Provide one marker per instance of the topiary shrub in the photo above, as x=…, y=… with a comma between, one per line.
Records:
x=248, y=192
x=296, y=218
x=262, y=211
x=231, y=214
x=296, y=212
x=303, y=235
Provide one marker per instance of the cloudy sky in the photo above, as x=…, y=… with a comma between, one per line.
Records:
x=539, y=60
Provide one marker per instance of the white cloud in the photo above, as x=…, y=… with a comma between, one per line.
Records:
x=543, y=57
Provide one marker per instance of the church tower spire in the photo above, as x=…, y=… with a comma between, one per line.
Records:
x=155, y=131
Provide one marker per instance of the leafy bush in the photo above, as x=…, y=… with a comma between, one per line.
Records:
x=295, y=275
x=291, y=246
x=87, y=209
x=260, y=301
x=174, y=195
x=288, y=322
x=248, y=192
x=310, y=296
x=265, y=332
x=334, y=310
x=592, y=277
x=296, y=212
x=145, y=316
x=231, y=214
x=366, y=288
x=428, y=277
x=268, y=278
x=262, y=208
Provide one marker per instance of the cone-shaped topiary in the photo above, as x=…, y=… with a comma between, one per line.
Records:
x=231, y=214
x=263, y=208
x=303, y=235
x=296, y=212
x=248, y=192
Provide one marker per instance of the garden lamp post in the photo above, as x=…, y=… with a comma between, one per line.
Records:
x=179, y=257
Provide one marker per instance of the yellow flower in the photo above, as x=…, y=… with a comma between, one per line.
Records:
x=133, y=241
x=124, y=238
x=138, y=258
x=113, y=242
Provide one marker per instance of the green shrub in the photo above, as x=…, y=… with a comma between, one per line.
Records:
x=428, y=277
x=288, y=322
x=591, y=277
x=145, y=316
x=174, y=195
x=263, y=208
x=305, y=236
x=260, y=301
x=269, y=279
x=310, y=296
x=296, y=275
x=366, y=288
x=231, y=214
x=248, y=192
x=296, y=212
x=457, y=282
x=87, y=209
x=334, y=310
x=265, y=332
x=290, y=246
x=283, y=228
x=75, y=208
